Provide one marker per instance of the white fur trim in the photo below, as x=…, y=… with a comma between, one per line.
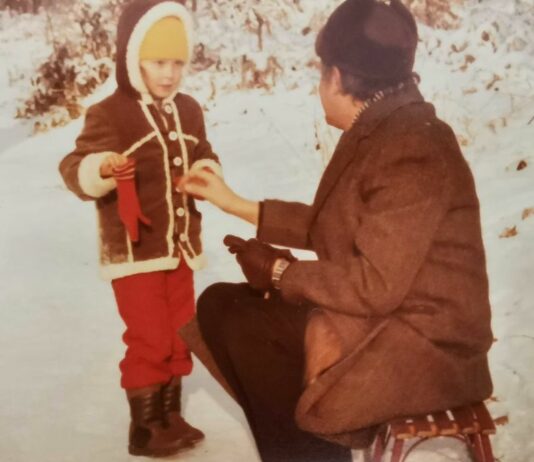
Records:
x=134, y=147
x=185, y=155
x=197, y=262
x=157, y=12
x=120, y=270
x=215, y=166
x=192, y=138
x=168, y=180
x=89, y=177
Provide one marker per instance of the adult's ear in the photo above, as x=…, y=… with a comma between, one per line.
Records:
x=336, y=81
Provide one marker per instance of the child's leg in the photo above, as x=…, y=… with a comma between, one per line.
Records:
x=142, y=303
x=181, y=298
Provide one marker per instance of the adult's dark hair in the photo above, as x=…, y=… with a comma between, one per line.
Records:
x=372, y=43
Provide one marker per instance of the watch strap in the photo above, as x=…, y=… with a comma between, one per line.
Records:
x=279, y=267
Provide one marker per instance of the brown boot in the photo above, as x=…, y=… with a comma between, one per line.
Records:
x=172, y=411
x=149, y=435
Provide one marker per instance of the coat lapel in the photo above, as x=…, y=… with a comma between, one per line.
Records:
x=350, y=140
x=342, y=156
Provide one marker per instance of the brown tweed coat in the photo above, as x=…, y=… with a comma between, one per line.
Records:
x=400, y=275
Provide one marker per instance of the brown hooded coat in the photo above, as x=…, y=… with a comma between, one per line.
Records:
x=166, y=143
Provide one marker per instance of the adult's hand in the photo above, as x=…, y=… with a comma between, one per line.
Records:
x=178, y=181
x=213, y=188
x=256, y=259
x=207, y=185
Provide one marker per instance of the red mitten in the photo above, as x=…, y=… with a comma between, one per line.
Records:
x=129, y=208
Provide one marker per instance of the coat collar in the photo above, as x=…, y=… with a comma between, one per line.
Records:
x=361, y=129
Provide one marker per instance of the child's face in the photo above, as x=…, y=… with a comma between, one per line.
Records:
x=162, y=77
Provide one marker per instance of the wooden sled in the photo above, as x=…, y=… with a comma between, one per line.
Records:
x=471, y=424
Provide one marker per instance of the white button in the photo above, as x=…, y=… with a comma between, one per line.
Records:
x=168, y=109
x=177, y=161
x=173, y=136
x=183, y=237
x=180, y=212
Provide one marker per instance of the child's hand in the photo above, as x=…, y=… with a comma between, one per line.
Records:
x=111, y=161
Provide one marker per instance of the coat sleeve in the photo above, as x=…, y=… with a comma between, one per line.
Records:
x=203, y=155
x=405, y=198
x=285, y=223
x=81, y=168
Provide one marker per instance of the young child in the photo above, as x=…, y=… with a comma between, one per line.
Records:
x=134, y=148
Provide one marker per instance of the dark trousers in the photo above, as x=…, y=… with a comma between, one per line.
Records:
x=258, y=345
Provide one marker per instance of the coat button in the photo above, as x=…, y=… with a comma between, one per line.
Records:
x=180, y=212
x=173, y=136
x=183, y=237
x=168, y=109
x=177, y=161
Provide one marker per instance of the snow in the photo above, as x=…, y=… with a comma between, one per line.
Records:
x=60, y=334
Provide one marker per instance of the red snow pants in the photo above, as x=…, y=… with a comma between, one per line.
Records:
x=154, y=306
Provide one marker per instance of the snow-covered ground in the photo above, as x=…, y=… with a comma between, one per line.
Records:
x=60, y=335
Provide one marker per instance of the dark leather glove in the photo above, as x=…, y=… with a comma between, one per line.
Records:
x=256, y=259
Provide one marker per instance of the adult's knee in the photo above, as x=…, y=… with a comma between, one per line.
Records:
x=215, y=303
x=244, y=324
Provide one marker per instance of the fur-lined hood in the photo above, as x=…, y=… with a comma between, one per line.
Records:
x=136, y=20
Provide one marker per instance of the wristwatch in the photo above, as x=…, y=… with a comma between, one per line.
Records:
x=279, y=267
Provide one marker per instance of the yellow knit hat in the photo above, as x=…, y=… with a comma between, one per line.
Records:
x=166, y=39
